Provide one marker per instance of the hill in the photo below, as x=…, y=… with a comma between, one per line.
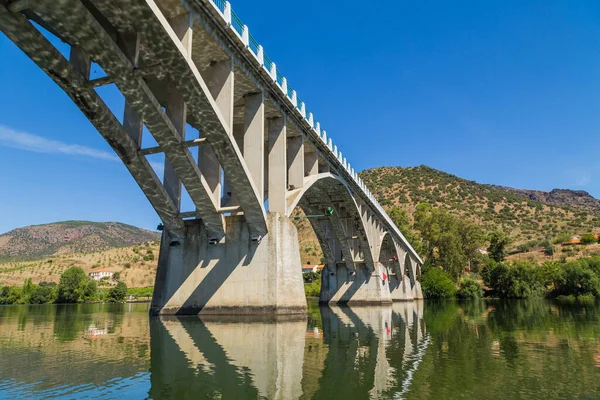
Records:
x=61, y=238
x=135, y=264
x=526, y=215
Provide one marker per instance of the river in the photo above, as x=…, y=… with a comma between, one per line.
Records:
x=534, y=349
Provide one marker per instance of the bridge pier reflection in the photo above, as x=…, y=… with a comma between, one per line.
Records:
x=360, y=352
x=237, y=358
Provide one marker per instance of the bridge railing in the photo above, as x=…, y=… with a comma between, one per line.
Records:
x=223, y=8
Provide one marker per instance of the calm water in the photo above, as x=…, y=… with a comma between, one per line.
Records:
x=483, y=350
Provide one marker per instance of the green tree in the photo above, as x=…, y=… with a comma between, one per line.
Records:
x=498, y=248
x=27, y=288
x=437, y=284
x=72, y=286
x=469, y=289
x=400, y=218
x=548, y=248
x=588, y=238
x=116, y=276
x=91, y=289
x=12, y=295
x=117, y=293
x=519, y=280
x=448, y=242
x=42, y=294
x=577, y=279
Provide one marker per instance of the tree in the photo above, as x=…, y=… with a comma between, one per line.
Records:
x=448, y=242
x=437, y=284
x=91, y=289
x=548, y=248
x=469, y=289
x=27, y=287
x=577, y=279
x=588, y=238
x=498, y=248
x=400, y=218
x=42, y=294
x=117, y=293
x=116, y=276
x=520, y=280
x=72, y=286
x=12, y=295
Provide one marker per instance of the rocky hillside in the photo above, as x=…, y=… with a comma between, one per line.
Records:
x=576, y=199
x=525, y=214
x=39, y=241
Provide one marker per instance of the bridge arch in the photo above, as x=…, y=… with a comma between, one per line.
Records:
x=388, y=254
x=328, y=190
x=409, y=270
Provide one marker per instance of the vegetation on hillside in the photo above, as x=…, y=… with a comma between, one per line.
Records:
x=39, y=241
x=136, y=266
x=74, y=287
x=492, y=207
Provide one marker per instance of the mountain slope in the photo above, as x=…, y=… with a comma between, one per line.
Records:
x=525, y=214
x=38, y=241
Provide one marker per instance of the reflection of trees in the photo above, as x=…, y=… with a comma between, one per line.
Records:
x=350, y=364
x=70, y=322
x=509, y=349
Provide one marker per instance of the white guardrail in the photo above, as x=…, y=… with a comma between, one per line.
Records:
x=237, y=27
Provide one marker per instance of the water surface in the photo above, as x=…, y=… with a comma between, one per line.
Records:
x=423, y=350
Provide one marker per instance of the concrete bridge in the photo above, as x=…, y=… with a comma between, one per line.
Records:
x=235, y=137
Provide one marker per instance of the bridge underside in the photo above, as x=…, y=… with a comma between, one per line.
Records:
x=234, y=138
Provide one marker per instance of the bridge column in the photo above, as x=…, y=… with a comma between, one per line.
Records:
x=277, y=165
x=238, y=276
x=219, y=78
x=311, y=161
x=254, y=141
x=295, y=162
x=400, y=282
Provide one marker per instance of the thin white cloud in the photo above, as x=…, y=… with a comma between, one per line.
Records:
x=38, y=144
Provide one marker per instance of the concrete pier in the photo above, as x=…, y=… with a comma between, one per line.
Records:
x=238, y=275
x=359, y=287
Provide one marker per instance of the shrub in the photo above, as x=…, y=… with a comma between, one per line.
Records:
x=313, y=289
x=519, y=280
x=127, y=265
x=577, y=279
x=148, y=257
x=469, y=289
x=310, y=277
x=12, y=295
x=437, y=284
x=42, y=294
x=117, y=293
x=588, y=238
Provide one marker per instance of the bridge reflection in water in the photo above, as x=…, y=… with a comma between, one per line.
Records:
x=358, y=352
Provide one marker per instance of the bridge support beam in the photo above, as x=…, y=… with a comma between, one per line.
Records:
x=238, y=276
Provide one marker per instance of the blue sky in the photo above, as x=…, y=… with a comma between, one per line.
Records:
x=496, y=92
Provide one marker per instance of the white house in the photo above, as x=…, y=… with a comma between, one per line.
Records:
x=99, y=274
